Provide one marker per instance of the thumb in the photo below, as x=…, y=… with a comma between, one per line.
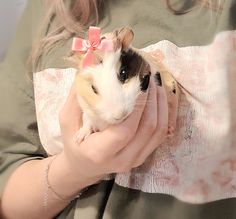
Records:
x=70, y=116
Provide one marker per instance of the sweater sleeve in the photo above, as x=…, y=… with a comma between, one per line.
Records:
x=19, y=139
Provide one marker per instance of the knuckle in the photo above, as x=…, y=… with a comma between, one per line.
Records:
x=141, y=160
x=163, y=130
x=121, y=136
x=116, y=138
x=95, y=157
x=150, y=126
x=126, y=134
x=123, y=168
x=139, y=163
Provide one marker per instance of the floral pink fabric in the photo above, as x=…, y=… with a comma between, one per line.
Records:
x=199, y=163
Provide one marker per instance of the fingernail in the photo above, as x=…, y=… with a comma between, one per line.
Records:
x=158, y=79
x=174, y=88
x=145, y=83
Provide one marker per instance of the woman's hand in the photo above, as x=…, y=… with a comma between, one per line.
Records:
x=120, y=147
x=117, y=149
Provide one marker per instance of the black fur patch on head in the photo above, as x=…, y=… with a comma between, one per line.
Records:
x=132, y=64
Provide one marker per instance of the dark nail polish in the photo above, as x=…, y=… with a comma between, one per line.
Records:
x=174, y=88
x=158, y=79
x=145, y=82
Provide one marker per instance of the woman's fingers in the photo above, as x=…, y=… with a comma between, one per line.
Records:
x=116, y=137
x=161, y=131
x=126, y=145
x=147, y=127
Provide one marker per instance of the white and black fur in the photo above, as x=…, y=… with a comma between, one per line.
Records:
x=107, y=91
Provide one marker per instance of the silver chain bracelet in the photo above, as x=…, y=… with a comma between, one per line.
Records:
x=48, y=187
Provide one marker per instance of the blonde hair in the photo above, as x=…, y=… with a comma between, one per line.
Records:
x=62, y=21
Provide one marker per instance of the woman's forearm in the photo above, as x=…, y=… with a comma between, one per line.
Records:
x=27, y=195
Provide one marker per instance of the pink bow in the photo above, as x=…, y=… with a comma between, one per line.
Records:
x=88, y=46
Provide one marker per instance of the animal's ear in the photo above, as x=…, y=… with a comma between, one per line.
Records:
x=124, y=37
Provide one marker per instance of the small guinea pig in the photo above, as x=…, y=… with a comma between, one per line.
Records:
x=107, y=91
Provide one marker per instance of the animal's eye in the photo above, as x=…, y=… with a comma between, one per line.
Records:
x=100, y=60
x=94, y=89
x=123, y=74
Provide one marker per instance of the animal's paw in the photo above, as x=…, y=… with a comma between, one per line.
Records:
x=82, y=134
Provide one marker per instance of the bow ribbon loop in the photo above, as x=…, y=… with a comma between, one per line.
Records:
x=94, y=42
